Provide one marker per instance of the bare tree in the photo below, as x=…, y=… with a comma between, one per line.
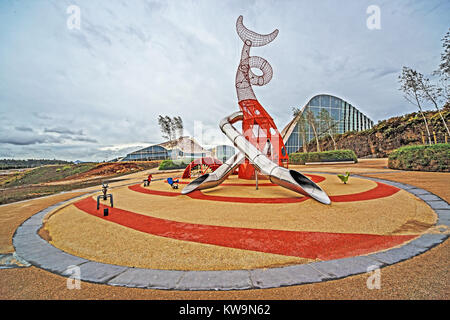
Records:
x=328, y=125
x=171, y=128
x=409, y=81
x=431, y=92
x=165, y=126
x=444, y=67
x=178, y=126
x=443, y=71
x=301, y=121
x=313, y=123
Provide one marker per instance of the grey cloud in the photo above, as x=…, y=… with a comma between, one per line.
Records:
x=385, y=71
x=180, y=58
x=77, y=138
x=63, y=130
x=29, y=140
x=138, y=33
x=26, y=129
x=82, y=40
x=97, y=31
x=154, y=6
x=84, y=139
x=377, y=72
x=42, y=116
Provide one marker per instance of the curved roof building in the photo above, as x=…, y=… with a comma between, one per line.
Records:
x=183, y=147
x=342, y=117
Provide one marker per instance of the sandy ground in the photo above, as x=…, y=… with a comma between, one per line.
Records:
x=12, y=215
x=435, y=182
x=345, y=217
x=78, y=233
x=423, y=277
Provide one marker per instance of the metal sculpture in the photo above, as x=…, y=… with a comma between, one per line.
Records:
x=257, y=125
x=260, y=144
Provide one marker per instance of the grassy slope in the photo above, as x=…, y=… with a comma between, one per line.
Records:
x=48, y=174
x=31, y=184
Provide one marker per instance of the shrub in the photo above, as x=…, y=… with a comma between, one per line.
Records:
x=324, y=156
x=174, y=164
x=421, y=158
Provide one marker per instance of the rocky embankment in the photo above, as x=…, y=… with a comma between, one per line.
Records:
x=390, y=134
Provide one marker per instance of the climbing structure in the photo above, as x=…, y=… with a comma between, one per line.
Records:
x=257, y=126
x=201, y=166
x=259, y=143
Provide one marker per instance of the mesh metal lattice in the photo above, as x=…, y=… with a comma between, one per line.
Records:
x=245, y=78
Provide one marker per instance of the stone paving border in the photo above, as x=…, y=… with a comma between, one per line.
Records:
x=32, y=248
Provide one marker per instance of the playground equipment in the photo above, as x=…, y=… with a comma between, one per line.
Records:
x=201, y=165
x=105, y=196
x=260, y=144
x=344, y=178
x=211, y=180
x=148, y=180
x=257, y=125
x=173, y=183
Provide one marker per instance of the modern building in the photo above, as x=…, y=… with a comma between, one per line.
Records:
x=222, y=152
x=183, y=147
x=343, y=116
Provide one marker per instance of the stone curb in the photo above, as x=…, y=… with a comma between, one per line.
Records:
x=33, y=249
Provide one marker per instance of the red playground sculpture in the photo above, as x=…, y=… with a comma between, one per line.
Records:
x=259, y=143
x=201, y=165
x=258, y=127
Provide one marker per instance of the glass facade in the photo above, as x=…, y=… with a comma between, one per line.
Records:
x=160, y=153
x=148, y=154
x=342, y=117
x=223, y=152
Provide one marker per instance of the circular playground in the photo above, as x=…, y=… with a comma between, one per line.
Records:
x=233, y=236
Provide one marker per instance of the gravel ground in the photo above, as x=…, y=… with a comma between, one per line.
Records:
x=423, y=277
x=78, y=233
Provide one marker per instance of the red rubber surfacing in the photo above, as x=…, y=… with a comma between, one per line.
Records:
x=314, y=178
x=304, y=244
x=380, y=191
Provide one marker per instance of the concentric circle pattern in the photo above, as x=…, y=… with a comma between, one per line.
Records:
x=234, y=227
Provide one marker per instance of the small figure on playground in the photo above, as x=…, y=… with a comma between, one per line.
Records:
x=105, y=195
x=344, y=178
x=173, y=183
x=148, y=180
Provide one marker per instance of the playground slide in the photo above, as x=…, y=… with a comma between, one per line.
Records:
x=211, y=180
x=286, y=178
x=290, y=179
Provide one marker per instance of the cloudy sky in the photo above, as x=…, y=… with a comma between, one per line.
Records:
x=95, y=93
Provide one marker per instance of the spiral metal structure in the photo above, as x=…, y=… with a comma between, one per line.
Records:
x=258, y=127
